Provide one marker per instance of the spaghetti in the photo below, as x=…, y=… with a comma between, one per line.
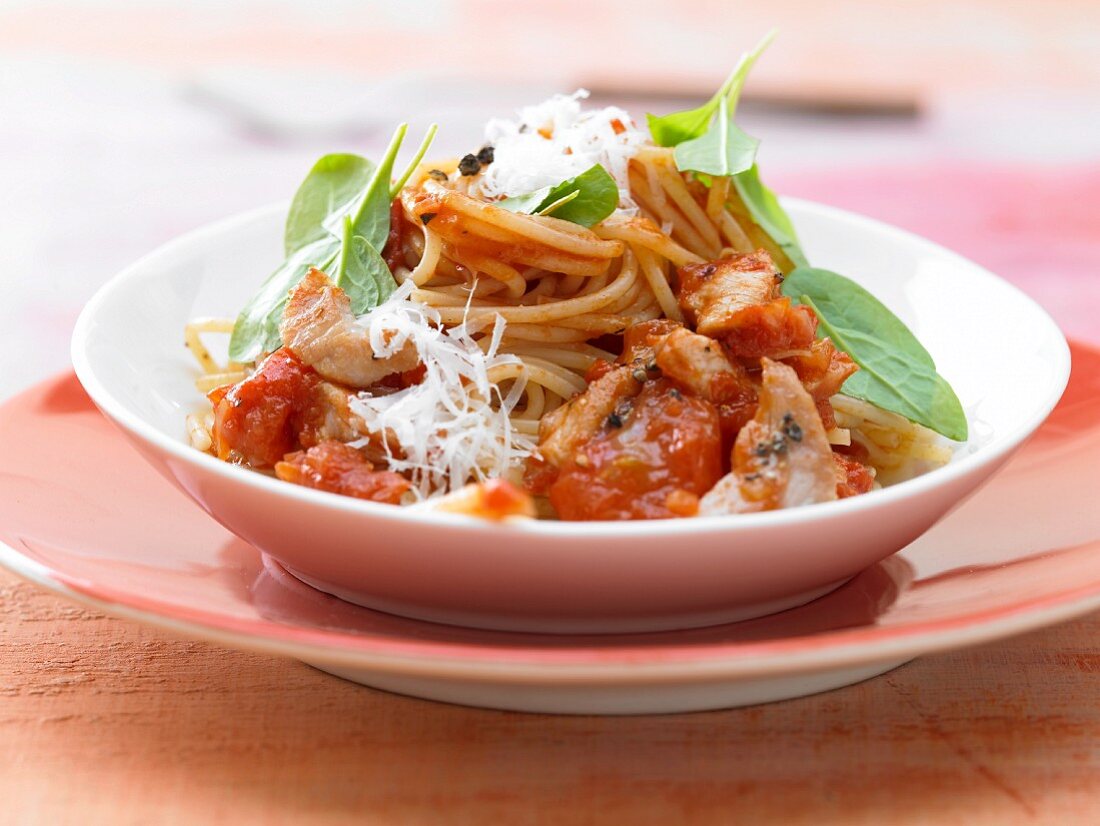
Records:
x=547, y=301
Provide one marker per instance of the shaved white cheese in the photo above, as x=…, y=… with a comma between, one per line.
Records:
x=454, y=426
x=556, y=140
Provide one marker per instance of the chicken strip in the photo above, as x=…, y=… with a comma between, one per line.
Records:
x=319, y=326
x=781, y=459
x=563, y=431
x=712, y=294
x=703, y=368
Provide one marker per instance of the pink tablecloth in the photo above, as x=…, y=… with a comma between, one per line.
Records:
x=1039, y=228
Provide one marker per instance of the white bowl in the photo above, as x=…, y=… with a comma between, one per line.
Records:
x=1003, y=354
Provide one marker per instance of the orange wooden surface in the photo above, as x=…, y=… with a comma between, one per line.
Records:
x=107, y=722
x=104, y=721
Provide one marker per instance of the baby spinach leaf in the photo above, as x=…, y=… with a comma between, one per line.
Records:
x=371, y=213
x=399, y=184
x=596, y=198
x=765, y=210
x=708, y=142
x=896, y=372
x=257, y=328
x=674, y=129
x=339, y=218
x=361, y=272
x=724, y=149
x=330, y=188
x=529, y=203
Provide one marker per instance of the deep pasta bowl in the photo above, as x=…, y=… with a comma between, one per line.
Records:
x=1005, y=357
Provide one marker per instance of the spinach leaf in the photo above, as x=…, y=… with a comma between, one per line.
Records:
x=399, y=184
x=765, y=210
x=724, y=149
x=896, y=372
x=674, y=129
x=339, y=218
x=330, y=188
x=596, y=197
x=361, y=272
x=371, y=213
x=708, y=142
x=257, y=327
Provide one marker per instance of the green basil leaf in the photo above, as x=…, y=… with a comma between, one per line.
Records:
x=362, y=273
x=257, y=328
x=330, y=188
x=674, y=129
x=766, y=211
x=724, y=149
x=597, y=197
x=896, y=372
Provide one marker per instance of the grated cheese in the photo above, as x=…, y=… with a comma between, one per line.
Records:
x=448, y=428
x=555, y=140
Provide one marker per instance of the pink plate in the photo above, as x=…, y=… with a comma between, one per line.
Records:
x=82, y=514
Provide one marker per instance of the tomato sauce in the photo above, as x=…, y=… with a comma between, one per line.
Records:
x=853, y=477
x=338, y=468
x=257, y=421
x=772, y=329
x=653, y=455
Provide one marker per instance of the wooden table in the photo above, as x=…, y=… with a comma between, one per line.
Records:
x=104, y=721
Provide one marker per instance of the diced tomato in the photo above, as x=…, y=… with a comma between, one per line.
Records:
x=500, y=498
x=257, y=421
x=854, y=451
x=658, y=443
x=822, y=372
x=772, y=330
x=338, y=468
x=853, y=477
x=682, y=503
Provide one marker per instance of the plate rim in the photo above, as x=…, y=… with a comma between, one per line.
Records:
x=825, y=653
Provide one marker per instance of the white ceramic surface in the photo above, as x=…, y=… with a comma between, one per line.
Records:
x=579, y=577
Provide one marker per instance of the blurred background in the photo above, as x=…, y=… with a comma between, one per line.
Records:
x=125, y=123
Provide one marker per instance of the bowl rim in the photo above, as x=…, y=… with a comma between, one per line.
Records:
x=1000, y=446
